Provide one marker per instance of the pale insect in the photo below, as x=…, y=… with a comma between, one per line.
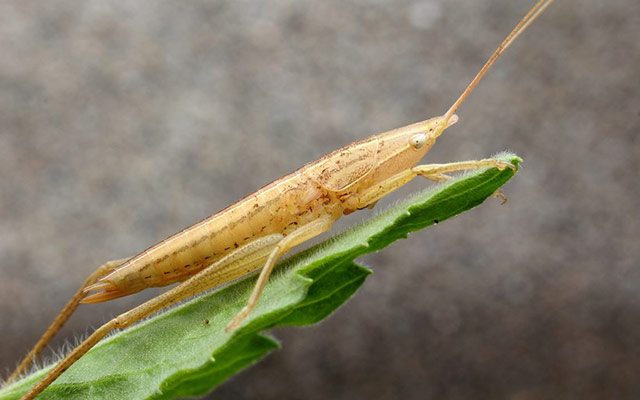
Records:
x=259, y=229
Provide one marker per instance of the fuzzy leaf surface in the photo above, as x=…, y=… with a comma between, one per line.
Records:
x=185, y=352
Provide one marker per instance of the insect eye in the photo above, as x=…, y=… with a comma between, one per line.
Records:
x=418, y=140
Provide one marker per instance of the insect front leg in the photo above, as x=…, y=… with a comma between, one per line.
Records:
x=302, y=234
x=63, y=316
x=429, y=170
x=434, y=172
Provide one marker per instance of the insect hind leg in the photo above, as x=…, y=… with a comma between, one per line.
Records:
x=235, y=264
x=62, y=317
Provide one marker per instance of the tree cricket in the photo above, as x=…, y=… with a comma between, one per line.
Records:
x=257, y=231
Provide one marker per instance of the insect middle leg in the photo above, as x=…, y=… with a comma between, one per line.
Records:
x=234, y=265
x=302, y=234
x=63, y=316
x=435, y=172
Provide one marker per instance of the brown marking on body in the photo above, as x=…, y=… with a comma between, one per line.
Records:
x=354, y=164
x=161, y=259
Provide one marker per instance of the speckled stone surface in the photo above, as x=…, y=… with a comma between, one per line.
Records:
x=124, y=122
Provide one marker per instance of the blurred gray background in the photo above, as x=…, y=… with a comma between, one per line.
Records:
x=122, y=123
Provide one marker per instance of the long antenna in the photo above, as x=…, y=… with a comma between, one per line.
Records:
x=522, y=25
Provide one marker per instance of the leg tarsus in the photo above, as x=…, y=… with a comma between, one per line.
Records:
x=499, y=194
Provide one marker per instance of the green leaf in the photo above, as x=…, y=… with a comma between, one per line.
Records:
x=185, y=351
